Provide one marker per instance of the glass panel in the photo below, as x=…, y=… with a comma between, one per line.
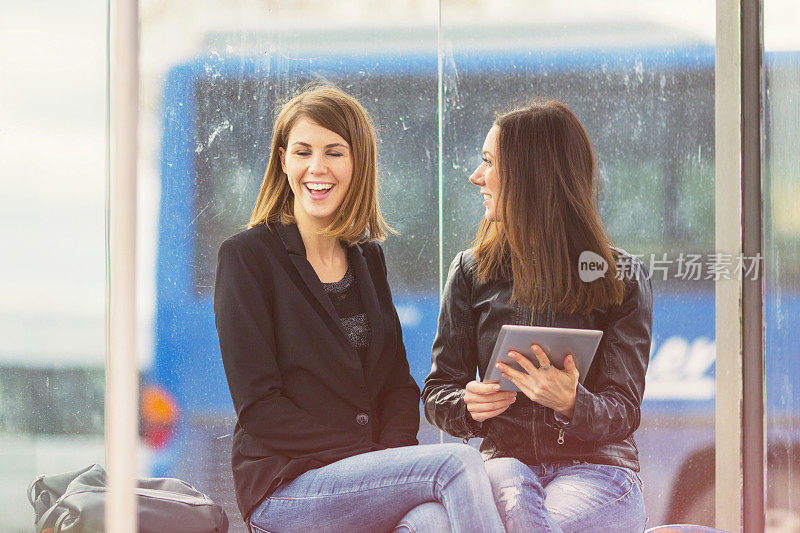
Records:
x=642, y=83
x=52, y=353
x=209, y=96
x=782, y=263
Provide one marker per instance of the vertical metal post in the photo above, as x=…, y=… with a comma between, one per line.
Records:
x=728, y=237
x=740, y=435
x=753, y=320
x=121, y=369
x=440, y=154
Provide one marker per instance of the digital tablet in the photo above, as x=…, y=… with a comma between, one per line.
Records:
x=556, y=343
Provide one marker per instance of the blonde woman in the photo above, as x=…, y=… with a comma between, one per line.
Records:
x=313, y=352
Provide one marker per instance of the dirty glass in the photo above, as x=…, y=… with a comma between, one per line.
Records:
x=209, y=97
x=782, y=263
x=642, y=83
x=52, y=128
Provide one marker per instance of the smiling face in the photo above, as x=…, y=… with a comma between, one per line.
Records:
x=485, y=176
x=319, y=166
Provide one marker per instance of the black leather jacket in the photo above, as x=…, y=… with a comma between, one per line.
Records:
x=607, y=406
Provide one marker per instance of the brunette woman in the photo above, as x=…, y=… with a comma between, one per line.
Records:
x=313, y=353
x=560, y=454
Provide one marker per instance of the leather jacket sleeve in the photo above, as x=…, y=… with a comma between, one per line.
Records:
x=611, y=410
x=454, y=360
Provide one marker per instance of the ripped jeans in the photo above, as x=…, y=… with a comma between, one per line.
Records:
x=566, y=496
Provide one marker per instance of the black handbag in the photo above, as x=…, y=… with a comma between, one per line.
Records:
x=75, y=502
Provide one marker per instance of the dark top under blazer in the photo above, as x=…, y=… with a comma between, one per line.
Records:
x=301, y=396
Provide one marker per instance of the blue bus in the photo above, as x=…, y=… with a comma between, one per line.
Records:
x=649, y=109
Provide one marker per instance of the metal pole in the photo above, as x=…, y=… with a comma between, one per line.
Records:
x=440, y=168
x=728, y=238
x=753, y=326
x=121, y=368
x=739, y=302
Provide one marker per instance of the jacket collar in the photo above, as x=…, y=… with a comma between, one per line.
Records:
x=293, y=242
x=291, y=239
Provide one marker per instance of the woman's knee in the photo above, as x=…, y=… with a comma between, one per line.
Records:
x=429, y=517
x=460, y=461
x=462, y=456
x=464, y=452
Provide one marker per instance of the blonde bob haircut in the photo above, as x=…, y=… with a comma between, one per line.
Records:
x=358, y=219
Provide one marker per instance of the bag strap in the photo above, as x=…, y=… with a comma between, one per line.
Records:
x=30, y=488
x=48, y=514
x=60, y=522
x=56, y=506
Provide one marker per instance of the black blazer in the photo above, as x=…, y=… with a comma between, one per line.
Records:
x=301, y=395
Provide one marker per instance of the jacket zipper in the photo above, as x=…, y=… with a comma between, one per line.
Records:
x=533, y=416
x=551, y=318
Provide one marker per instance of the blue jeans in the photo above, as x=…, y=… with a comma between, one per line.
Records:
x=432, y=488
x=566, y=496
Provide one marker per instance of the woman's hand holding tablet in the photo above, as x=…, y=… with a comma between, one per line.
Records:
x=486, y=400
x=545, y=385
x=544, y=363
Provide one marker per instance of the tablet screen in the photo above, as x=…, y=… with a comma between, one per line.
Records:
x=557, y=343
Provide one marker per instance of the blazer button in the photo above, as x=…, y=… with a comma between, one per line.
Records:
x=362, y=419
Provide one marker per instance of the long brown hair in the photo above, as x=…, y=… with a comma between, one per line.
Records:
x=359, y=217
x=547, y=212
